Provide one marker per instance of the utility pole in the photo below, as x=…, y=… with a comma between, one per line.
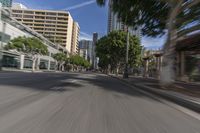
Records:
x=127, y=52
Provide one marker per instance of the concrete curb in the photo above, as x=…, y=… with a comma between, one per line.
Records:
x=187, y=103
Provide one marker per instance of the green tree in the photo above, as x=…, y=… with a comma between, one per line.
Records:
x=79, y=61
x=61, y=59
x=111, y=50
x=156, y=16
x=30, y=46
x=150, y=15
x=177, y=18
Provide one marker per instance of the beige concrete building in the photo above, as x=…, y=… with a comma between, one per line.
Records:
x=57, y=26
x=75, y=38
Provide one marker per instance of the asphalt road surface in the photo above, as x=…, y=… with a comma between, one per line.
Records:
x=83, y=103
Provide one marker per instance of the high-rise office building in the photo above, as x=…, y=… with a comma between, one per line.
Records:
x=57, y=26
x=94, y=59
x=86, y=45
x=75, y=38
x=114, y=23
x=6, y=3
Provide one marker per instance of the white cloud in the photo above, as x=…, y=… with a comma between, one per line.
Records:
x=153, y=43
x=33, y=5
x=80, y=5
x=85, y=36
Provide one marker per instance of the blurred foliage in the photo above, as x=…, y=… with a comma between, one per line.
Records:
x=60, y=57
x=79, y=61
x=28, y=45
x=152, y=15
x=111, y=49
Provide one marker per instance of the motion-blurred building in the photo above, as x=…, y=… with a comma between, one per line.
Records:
x=86, y=45
x=75, y=38
x=12, y=59
x=94, y=58
x=57, y=26
x=114, y=23
x=187, y=65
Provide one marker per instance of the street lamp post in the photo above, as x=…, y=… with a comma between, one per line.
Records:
x=127, y=52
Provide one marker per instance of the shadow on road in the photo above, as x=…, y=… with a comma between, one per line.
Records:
x=38, y=81
x=61, y=82
x=109, y=84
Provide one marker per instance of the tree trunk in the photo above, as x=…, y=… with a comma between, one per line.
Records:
x=34, y=58
x=167, y=73
x=109, y=68
x=60, y=67
x=117, y=70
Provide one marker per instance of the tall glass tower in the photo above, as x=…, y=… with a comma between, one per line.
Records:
x=6, y=3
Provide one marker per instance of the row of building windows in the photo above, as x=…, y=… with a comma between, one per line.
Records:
x=39, y=17
x=48, y=23
x=41, y=13
x=49, y=26
x=51, y=29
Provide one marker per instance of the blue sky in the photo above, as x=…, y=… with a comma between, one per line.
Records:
x=90, y=17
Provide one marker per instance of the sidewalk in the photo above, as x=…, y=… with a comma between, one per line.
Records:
x=25, y=70
x=185, y=94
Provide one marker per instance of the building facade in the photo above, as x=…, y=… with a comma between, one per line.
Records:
x=10, y=29
x=86, y=45
x=6, y=3
x=57, y=26
x=187, y=61
x=94, y=58
x=114, y=23
x=75, y=38
x=83, y=53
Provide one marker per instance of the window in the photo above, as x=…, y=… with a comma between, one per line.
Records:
x=62, y=14
x=51, y=22
x=61, y=26
x=51, y=13
x=51, y=18
x=39, y=17
x=39, y=25
x=28, y=20
x=19, y=19
x=63, y=19
x=16, y=11
x=50, y=29
x=40, y=32
x=17, y=15
x=28, y=12
x=63, y=34
x=62, y=22
x=50, y=25
x=38, y=28
x=28, y=16
x=52, y=65
x=29, y=24
x=40, y=13
x=62, y=30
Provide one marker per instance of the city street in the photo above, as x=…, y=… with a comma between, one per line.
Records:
x=83, y=103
